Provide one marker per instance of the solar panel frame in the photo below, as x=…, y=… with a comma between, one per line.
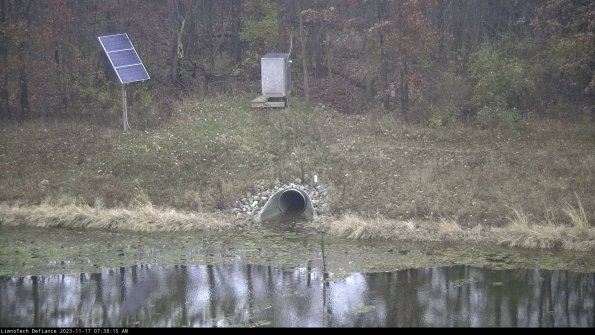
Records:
x=124, y=59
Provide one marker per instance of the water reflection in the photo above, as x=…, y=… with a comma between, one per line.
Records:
x=247, y=295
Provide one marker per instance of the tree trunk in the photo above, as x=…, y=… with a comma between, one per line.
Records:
x=329, y=53
x=236, y=11
x=369, y=78
x=4, y=107
x=384, y=75
x=178, y=48
x=62, y=82
x=382, y=14
x=404, y=89
x=304, y=58
x=319, y=63
x=23, y=85
x=209, y=32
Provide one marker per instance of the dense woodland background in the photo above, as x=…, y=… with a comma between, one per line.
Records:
x=433, y=61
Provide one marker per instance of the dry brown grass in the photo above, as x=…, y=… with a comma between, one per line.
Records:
x=519, y=233
x=523, y=233
x=531, y=236
x=449, y=229
x=146, y=218
x=354, y=227
x=579, y=239
x=546, y=236
x=577, y=215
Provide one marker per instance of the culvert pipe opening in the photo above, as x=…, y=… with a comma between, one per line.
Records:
x=292, y=202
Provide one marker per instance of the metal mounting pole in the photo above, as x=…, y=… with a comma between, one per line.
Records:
x=124, y=108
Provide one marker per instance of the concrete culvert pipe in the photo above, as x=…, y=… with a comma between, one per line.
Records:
x=291, y=203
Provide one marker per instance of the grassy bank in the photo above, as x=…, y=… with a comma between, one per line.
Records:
x=516, y=234
x=376, y=169
x=148, y=218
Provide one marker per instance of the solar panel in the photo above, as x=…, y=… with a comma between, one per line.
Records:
x=123, y=57
x=115, y=42
x=132, y=73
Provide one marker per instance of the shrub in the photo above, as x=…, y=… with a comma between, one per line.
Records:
x=501, y=83
x=497, y=116
x=440, y=117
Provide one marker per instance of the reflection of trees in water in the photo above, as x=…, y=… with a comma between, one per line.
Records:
x=234, y=294
x=471, y=297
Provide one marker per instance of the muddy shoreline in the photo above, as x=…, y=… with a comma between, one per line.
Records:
x=41, y=251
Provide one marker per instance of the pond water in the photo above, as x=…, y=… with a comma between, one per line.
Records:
x=242, y=295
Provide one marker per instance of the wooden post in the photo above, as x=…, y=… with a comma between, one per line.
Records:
x=124, y=108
